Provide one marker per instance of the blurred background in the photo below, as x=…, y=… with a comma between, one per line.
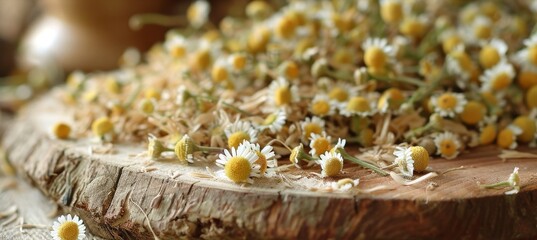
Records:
x=41, y=41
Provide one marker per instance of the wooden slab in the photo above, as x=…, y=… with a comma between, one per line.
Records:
x=102, y=189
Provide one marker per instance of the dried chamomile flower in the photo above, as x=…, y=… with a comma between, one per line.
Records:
x=481, y=29
x=404, y=161
x=258, y=10
x=61, y=130
x=239, y=164
x=450, y=40
x=391, y=11
x=531, y=97
x=507, y=137
x=186, y=147
x=331, y=164
x=198, y=13
x=299, y=157
x=274, y=122
x=390, y=100
x=313, y=125
x=492, y=53
x=265, y=156
x=448, y=104
x=528, y=127
x=239, y=131
x=289, y=70
x=147, y=106
x=526, y=79
x=345, y=184
x=282, y=93
x=488, y=133
x=448, y=145
x=460, y=64
x=527, y=57
x=513, y=181
x=68, y=228
x=319, y=144
x=497, y=78
x=220, y=72
x=377, y=53
x=473, y=113
x=155, y=147
x=176, y=45
x=102, y=126
x=321, y=105
x=358, y=106
x=413, y=26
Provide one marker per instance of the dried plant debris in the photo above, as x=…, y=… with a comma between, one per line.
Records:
x=400, y=80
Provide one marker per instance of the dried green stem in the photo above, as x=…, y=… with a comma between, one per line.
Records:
x=362, y=163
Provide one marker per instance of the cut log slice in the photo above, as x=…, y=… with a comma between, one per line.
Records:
x=114, y=190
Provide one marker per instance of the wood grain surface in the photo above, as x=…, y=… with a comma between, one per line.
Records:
x=106, y=190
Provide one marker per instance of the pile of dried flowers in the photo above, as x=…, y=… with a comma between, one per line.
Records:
x=401, y=79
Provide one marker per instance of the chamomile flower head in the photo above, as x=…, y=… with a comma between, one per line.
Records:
x=289, y=69
x=488, y=133
x=313, y=125
x=341, y=93
x=238, y=62
x=298, y=156
x=176, y=45
x=239, y=164
x=531, y=97
x=358, y=106
x=528, y=127
x=481, y=29
x=390, y=100
x=473, y=113
x=460, y=64
x=319, y=144
x=321, y=105
x=345, y=184
x=274, y=121
x=239, y=131
x=198, y=13
x=448, y=104
x=68, y=228
x=498, y=78
x=102, y=126
x=492, y=52
x=527, y=57
x=265, y=157
x=507, y=137
x=282, y=93
x=220, y=71
x=414, y=27
x=447, y=145
x=155, y=147
x=377, y=53
x=514, y=178
x=404, y=161
x=184, y=149
x=61, y=130
x=391, y=11
x=331, y=164
x=340, y=144
x=450, y=40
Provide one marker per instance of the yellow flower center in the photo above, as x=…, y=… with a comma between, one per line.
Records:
x=239, y=62
x=147, y=106
x=465, y=62
x=183, y=148
x=320, y=108
x=488, y=134
x=152, y=93
x=262, y=161
x=358, y=104
x=391, y=12
x=489, y=56
x=527, y=79
x=532, y=54
x=321, y=145
x=238, y=169
x=68, y=231
x=282, y=96
x=421, y=158
x=102, y=126
x=285, y=27
x=501, y=81
x=391, y=99
x=112, y=86
x=528, y=128
x=505, y=138
x=412, y=27
x=178, y=51
x=531, y=97
x=201, y=60
x=473, y=112
x=483, y=31
x=332, y=167
x=237, y=138
x=61, y=130
x=447, y=101
x=270, y=119
x=219, y=74
x=291, y=70
x=338, y=94
x=312, y=128
x=258, y=40
x=375, y=58
x=448, y=147
x=450, y=43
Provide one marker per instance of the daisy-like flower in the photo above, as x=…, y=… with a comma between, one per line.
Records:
x=390, y=100
x=345, y=184
x=319, y=144
x=414, y=26
x=528, y=125
x=377, y=53
x=198, y=13
x=459, y=63
x=341, y=93
x=155, y=147
x=404, y=161
x=447, y=145
x=322, y=106
x=481, y=29
x=265, y=156
x=238, y=62
x=176, y=45
x=340, y=144
x=450, y=40
x=358, y=106
x=313, y=125
x=492, y=53
x=275, y=121
x=507, y=137
x=513, y=181
x=282, y=93
x=391, y=11
x=239, y=131
x=68, y=228
x=448, y=104
x=498, y=77
x=239, y=164
x=220, y=71
x=527, y=57
x=331, y=164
